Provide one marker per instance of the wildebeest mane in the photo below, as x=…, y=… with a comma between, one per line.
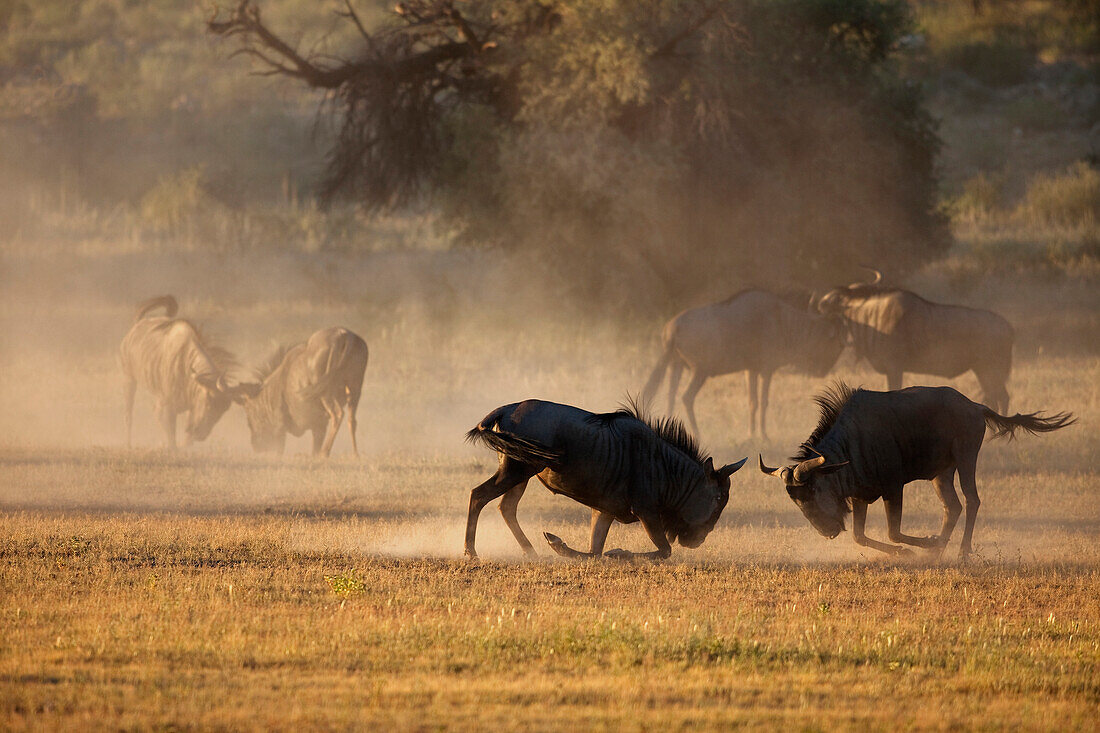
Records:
x=223, y=358
x=866, y=290
x=272, y=362
x=668, y=429
x=831, y=401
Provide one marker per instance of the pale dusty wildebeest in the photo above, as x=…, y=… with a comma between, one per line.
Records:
x=898, y=331
x=869, y=445
x=307, y=387
x=754, y=331
x=182, y=370
x=622, y=465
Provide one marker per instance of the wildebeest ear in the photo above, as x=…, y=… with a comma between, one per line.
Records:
x=708, y=465
x=832, y=468
x=727, y=471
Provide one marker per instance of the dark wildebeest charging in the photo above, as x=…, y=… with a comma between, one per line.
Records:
x=620, y=464
x=170, y=358
x=307, y=387
x=898, y=331
x=869, y=445
x=754, y=331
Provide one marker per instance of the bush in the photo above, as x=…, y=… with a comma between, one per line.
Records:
x=1070, y=199
x=981, y=196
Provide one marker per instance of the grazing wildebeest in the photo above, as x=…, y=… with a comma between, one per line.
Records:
x=183, y=371
x=622, y=465
x=869, y=445
x=898, y=331
x=754, y=331
x=306, y=387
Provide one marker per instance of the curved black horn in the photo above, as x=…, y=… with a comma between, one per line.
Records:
x=767, y=469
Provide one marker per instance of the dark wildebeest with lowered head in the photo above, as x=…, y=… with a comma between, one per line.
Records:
x=182, y=370
x=869, y=445
x=898, y=331
x=306, y=387
x=753, y=331
x=622, y=465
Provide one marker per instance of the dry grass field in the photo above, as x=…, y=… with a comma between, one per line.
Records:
x=212, y=588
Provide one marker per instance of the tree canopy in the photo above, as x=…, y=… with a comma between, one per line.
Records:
x=660, y=143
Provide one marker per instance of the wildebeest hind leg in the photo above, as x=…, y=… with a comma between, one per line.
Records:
x=765, y=387
x=508, y=510
x=752, y=379
x=335, y=417
x=510, y=473
x=859, y=522
x=970, y=496
x=696, y=384
x=952, y=508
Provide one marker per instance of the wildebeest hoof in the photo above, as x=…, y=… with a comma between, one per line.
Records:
x=903, y=552
x=557, y=544
x=619, y=554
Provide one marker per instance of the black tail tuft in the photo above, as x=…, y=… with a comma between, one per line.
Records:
x=515, y=447
x=166, y=301
x=1034, y=423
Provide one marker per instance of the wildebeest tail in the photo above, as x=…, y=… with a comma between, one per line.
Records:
x=1034, y=423
x=513, y=446
x=171, y=307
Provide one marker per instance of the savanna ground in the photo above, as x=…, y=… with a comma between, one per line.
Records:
x=215, y=588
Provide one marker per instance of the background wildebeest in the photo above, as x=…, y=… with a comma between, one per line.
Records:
x=868, y=445
x=306, y=387
x=620, y=464
x=181, y=369
x=753, y=331
x=898, y=331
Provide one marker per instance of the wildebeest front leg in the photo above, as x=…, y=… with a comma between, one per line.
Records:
x=859, y=523
x=601, y=523
x=751, y=381
x=167, y=419
x=765, y=387
x=655, y=528
x=893, y=507
x=128, y=394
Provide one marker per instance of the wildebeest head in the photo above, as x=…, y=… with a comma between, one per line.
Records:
x=811, y=490
x=265, y=424
x=834, y=301
x=208, y=403
x=700, y=512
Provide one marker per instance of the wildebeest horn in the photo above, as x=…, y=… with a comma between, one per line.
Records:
x=878, y=275
x=803, y=470
x=221, y=385
x=767, y=469
x=729, y=470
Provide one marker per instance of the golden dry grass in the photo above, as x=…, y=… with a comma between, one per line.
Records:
x=215, y=589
